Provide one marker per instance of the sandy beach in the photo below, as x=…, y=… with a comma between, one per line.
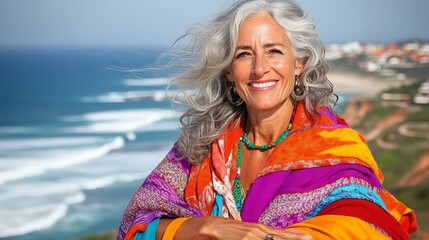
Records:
x=359, y=84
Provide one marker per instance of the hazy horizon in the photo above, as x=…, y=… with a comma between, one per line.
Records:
x=134, y=23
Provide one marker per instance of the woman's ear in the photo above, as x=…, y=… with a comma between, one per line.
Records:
x=227, y=73
x=299, y=66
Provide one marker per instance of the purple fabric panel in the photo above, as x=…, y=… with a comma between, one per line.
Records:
x=308, y=179
x=174, y=154
x=146, y=217
x=267, y=187
x=260, y=195
x=158, y=194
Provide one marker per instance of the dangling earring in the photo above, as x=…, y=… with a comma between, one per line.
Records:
x=298, y=89
x=233, y=96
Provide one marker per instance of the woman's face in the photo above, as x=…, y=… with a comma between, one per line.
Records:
x=264, y=66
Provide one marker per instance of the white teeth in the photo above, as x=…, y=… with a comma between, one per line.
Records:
x=262, y=85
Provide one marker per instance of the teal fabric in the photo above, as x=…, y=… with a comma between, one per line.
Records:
x=150, y=233
x=217, y=208
x=352, y=191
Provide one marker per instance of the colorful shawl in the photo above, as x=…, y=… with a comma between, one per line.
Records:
x=322, y=180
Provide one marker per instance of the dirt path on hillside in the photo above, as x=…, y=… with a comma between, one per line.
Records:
x=417, y=174
x=355, y=114
x=420, y=170
x=386, y=123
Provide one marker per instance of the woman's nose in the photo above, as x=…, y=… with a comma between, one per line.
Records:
x=260, y=66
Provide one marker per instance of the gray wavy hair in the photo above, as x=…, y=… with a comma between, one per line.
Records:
x=203, y=87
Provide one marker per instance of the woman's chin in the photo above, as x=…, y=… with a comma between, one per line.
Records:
x=265, y=105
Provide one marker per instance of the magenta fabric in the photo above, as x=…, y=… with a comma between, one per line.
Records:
x=297, y=181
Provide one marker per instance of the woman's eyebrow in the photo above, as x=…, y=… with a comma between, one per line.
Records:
x=267, y=45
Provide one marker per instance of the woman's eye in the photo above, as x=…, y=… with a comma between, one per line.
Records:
x=242, y=54
x=275, y=51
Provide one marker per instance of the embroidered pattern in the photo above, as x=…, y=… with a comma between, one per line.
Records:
x=173, y=175
x=286, y=209
x=161, y=194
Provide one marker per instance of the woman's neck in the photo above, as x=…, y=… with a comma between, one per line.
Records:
x=264, y=127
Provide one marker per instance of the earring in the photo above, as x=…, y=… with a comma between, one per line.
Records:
x=298, y=89
x=233, y=96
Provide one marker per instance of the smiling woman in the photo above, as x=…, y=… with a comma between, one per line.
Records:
x=261, y=153
x=264, y=65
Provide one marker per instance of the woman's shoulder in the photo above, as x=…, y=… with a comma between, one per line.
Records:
x=324, y=117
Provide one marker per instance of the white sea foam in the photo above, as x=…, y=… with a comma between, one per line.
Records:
x=106, y=181
x=126, y=114
x=51, y=189
x=131, y=136
x=146, y=82
x=114, y=97
x=162, y=126
x=119, y=121
x=59, y=159
x=42, y=212
x=45, y=142
x=75, y=199
x=130, y=96
x=45, y=202
x=119, y=165
x=34, y=220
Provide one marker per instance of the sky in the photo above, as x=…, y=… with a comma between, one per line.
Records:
x=91, y=23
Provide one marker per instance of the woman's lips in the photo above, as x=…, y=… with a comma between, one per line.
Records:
x=262, y=85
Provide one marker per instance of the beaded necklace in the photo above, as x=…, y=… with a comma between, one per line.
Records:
x=264, y=147
x=238, y=189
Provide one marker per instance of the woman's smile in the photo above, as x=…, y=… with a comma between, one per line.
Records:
x=262, y=85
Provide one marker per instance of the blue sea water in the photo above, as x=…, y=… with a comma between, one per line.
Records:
x=78, y=134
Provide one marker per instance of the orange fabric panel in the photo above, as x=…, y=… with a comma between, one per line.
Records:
x=338, y=227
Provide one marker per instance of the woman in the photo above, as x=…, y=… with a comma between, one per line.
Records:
x=261, y=153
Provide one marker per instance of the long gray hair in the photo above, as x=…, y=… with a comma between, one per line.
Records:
x=203, y=87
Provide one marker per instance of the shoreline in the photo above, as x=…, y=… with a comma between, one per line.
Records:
x=360, y=85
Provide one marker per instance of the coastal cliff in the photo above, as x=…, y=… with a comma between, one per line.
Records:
x=397, y=132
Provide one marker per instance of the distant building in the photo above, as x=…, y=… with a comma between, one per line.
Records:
x=421, y=98
x=424, y=88
x=395, y=97
x=411, y=46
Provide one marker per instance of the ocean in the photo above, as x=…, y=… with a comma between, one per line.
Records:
x=79, y=131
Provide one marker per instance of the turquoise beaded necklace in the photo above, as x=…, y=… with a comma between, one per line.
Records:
x=237, y=191
x=264, y=147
